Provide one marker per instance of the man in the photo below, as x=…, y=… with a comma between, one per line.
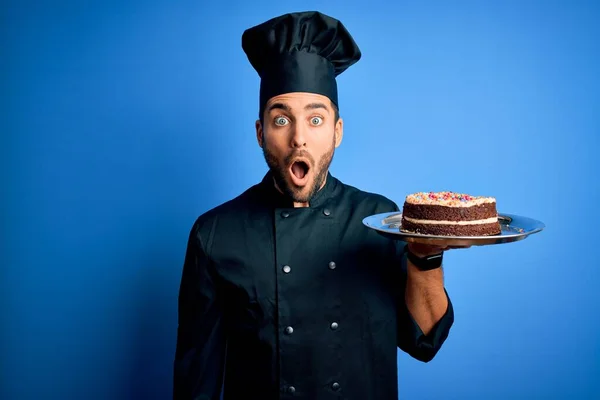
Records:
x=284, y=292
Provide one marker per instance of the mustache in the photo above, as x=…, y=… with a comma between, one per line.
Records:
x=299, y=154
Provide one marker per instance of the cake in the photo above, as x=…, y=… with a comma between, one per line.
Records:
x=450, y=214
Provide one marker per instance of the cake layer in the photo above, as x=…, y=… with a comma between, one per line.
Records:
x=485, y=229
x=439, y=212
x=491, y=220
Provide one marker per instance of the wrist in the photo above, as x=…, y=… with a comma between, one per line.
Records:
x=423, y=250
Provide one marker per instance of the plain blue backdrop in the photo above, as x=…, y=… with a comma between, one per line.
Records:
x=121, y=122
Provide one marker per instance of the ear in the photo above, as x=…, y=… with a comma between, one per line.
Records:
x=259, y=133
x=339, y=132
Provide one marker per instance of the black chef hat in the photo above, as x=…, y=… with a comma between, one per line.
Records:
x=299, y=52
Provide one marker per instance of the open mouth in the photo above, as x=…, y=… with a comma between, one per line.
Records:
x=299, y=170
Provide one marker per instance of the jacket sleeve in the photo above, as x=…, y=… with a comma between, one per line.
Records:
x=410, y=337
x=200, y=347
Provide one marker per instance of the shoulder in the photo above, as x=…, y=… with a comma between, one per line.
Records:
x=373, y=202
x=230, y=212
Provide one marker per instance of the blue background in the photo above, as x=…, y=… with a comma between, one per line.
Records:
x=121, y=122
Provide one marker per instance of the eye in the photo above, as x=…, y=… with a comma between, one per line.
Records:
x=316, y=120
x=281, y=121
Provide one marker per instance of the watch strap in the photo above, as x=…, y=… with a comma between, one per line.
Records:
x=426, y=263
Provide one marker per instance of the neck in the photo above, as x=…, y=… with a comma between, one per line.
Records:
x=295, y=203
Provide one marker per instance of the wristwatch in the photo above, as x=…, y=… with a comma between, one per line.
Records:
x=426, y=263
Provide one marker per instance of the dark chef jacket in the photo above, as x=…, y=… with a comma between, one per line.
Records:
x=279, y=302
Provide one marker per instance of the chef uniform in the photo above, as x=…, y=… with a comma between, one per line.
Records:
x=278, y=302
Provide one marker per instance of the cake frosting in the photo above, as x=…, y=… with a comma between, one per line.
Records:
x=450, y=214
x=450, y=199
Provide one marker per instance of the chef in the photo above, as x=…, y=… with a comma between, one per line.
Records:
x=284, y=293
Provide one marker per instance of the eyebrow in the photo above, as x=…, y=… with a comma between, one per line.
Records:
x=313, y=106
x=281, y=106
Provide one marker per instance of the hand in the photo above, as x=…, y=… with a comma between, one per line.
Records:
x=424, y=250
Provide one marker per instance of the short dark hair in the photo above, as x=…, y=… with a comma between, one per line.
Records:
x=336, y=113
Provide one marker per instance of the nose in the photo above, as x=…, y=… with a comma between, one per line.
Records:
x=298, y=135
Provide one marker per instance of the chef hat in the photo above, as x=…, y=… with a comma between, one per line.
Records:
x=299, y=52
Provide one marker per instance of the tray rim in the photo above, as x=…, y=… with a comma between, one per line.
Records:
x=387, y=218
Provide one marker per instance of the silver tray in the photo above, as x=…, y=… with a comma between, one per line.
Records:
x=514, y=228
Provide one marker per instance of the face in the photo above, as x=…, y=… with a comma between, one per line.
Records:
x=298, y=138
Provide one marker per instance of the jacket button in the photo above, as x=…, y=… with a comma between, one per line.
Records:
x=335, y=386
x=332, y=265
x=291, y=389
x=327, y=212
x=334, y=325
x=285, y=214
x=287, y=269
x=289, y=330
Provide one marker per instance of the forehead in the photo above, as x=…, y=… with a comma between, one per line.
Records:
x=297, y=102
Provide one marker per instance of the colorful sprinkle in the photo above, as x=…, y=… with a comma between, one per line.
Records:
x=447, y=197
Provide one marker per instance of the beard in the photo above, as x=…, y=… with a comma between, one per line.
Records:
x=280, y=170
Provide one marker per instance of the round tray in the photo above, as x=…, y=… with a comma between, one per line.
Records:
x=514, y=228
